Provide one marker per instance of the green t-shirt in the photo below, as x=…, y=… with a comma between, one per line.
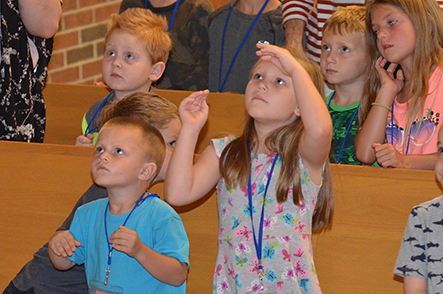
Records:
x=341, y=117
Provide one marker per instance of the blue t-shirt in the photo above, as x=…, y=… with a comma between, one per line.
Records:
x=158, y=226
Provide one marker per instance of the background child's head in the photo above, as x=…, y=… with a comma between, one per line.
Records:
x=128, y=151
x=136, y=50
x=154, y=110
x=148, y=27
x=344, y=57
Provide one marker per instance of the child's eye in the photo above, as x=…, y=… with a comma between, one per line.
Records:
x=345, y=49
x=98, y=150
x=171, y=143
x=119, y=151
x=280, y=82
x=129, y=56
x=440, y=150
x=392, y=22
x=258, y=77
x=375, y=31
x=110, y=53
x=326, y=48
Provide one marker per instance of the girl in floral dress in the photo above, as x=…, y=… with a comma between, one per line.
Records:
x=274, y=183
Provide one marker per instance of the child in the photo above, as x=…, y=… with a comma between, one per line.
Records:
x=234, y=29
x=402, y=125
x=420, y=260
x=344, y=64
x=274, y=182
x=136, y=49
x=39, y=275
x=187, y=66
x=145, y=238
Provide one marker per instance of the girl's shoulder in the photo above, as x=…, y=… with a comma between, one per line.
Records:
x=220, y=143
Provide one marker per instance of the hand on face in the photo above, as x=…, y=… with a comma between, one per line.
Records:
x=389, y=79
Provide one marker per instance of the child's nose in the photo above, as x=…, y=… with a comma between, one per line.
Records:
x=330, y=57
x=261, y=85
x=104, y=156
x=116, y=62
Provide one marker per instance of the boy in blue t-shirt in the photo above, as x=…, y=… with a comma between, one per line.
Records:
x=344, y=64
x=131, y=241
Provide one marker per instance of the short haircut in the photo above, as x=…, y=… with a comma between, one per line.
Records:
x=153, y=109
x=147, y=26
x=350, y=19
x=154, y=145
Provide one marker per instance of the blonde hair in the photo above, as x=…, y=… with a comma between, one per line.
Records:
x=351, y=20
x=150, y=107
x=427, y=19
x=153, y=143
x=147, y=26
x=235, y=158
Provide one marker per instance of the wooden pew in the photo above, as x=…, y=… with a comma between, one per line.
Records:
x=41, y=182
x=66, y=104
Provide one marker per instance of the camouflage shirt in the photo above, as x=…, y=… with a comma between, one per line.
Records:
x=187, y=67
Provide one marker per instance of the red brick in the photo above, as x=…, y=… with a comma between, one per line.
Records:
x=91, y=69
x=62, y=40
x=78, y=19
x=57, y=61
x=104, y=13
x=65, y=76
x=85, y=3
x=69, y=5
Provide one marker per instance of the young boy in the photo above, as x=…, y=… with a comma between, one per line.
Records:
x=420, y=260
x=39, y=275
x=136, y=50
x=344, y=62
x=132, y=241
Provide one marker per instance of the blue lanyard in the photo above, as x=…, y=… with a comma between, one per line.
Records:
x=173, y=13
x=258, y=244
x=347, y=130
x=110, y=248
x=220, y=84
x=88, y=131
x=392, y=129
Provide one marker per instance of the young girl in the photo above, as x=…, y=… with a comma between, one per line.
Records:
x=268, y=179
x=402, y=126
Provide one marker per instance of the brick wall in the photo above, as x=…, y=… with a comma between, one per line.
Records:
x=78, y=44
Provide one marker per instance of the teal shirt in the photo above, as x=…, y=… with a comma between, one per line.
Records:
x=341, y=118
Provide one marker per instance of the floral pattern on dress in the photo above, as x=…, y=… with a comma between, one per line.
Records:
x=287, y=256
x=22, y=107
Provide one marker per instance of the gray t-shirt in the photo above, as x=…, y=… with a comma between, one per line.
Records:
x=420, y=253
x=268, y=28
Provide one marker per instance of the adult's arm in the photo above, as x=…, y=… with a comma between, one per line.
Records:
x=41, y=17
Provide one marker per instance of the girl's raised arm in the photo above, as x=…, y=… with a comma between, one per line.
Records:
x=373, y=129
x=186, y=182
x=316, y=139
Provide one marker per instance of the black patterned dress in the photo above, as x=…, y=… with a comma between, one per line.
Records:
x=22, y=107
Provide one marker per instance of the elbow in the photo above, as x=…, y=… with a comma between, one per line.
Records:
x=366, y=157
x=46, y=33
x=181, y=276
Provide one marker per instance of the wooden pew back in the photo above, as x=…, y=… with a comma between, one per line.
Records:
x=66, y=105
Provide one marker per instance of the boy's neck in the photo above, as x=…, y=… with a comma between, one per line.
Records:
x=348, y=94
x=252, y=7
x=122, y=201
x=162, y=3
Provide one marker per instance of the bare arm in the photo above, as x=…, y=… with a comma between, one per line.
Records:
x=164, y=268
x=41, y=17
x=61, y=245
x=373, y=129
x=387, y=156
x=414, y=285
x=294, y=32
x=316, y=139
x=186, y=182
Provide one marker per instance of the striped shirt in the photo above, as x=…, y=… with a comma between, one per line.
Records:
x=299, y=9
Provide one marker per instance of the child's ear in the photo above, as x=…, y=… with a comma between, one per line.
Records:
x=297, y=111
x=147, y=171
x=157, y=71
